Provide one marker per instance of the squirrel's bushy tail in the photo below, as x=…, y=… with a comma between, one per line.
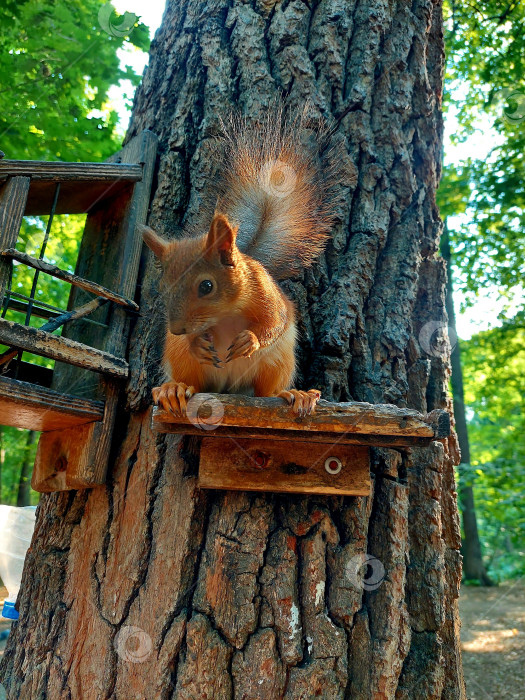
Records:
x=278, y=183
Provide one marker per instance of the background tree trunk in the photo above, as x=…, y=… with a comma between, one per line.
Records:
x=473, y=567
x=23, y=497
x=151, y=588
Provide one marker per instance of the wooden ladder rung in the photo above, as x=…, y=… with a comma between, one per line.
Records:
x=62, y=349
x=66, y=276
x=33, y=407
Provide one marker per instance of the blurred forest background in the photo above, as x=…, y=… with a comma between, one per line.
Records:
x=60, y=62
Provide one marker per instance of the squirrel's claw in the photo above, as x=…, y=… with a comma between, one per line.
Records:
x=244, y=345
x=172, y=397
x=203, y=350
x=302, y=402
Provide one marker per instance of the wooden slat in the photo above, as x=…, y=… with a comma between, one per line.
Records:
x=12, y=204
x=249, y=416
x=62, y=349
x=34, y=407
x=59, y=172
x=66, y=276
x=304, y=436
x=56, y=322
x=287, y=467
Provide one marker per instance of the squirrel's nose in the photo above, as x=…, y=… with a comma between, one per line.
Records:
x=177, y=329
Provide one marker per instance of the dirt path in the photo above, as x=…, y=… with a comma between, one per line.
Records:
x=493, y=640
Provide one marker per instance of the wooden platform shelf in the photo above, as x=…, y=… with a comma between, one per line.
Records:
x=258, y=444
x=24, y=405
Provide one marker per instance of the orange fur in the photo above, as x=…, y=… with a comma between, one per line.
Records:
x=244, y=300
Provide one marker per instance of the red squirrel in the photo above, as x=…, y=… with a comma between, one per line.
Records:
x=230, y=327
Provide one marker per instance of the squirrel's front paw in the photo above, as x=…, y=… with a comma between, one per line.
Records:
x=203, y=350
x=302, y=402
x=244, y=345
x=172, y=396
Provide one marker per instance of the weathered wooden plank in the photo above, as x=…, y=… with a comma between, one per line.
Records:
x=222, y=411
x=62, y=349
x=59, y=172
x=143, y=149
x=12, y=205
x=288, y=435
x=58, y=321
x=60, y=455
x=292, y=467
x=32, y=407
x=66, y=276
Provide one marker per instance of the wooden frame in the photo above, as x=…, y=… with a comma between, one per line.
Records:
x=100, y=182
x=74, y=446
x=65, y=172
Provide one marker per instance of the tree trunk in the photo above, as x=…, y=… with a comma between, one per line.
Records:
x=151, y=588
x=24, y=484
x=473, y=567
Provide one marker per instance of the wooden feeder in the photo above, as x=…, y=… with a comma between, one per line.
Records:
x=76, y=431
x=258, y=444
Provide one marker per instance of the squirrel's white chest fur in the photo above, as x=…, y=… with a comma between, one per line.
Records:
x=238, y=375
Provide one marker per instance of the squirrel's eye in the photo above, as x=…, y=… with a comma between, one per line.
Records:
x=205, y=287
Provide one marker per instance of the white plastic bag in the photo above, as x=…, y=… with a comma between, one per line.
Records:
x=16, y=531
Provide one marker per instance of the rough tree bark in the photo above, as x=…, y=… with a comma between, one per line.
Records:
x=151, y=588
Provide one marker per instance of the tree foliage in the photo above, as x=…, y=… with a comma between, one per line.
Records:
x=494, y=380
x=61, y=64
x=13, y=449
x=485, y=86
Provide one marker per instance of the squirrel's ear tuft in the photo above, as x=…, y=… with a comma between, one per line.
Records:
x=155, y=243
x=221, y=240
